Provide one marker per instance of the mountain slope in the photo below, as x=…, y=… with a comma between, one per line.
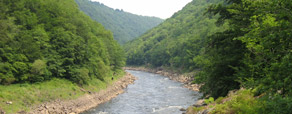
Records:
x=125, y=26
x=177, y=41
x=41, y=40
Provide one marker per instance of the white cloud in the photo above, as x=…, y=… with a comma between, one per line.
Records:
x=158, y=8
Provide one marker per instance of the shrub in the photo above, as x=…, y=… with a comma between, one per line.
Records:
x=241, y=102
x=276, y=105
x=38, y=67
x=210, y=100
x=219, y=100
x=6, y=75
x=80, y=76
x=39, y=71
x=6, y=79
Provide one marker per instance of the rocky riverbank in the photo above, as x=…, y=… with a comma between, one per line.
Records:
x=87, y=101
x=183, y=78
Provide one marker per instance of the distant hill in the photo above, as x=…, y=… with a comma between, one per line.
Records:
x=177, y=41
x=125, y=26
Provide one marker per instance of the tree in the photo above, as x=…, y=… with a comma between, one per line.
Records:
x=41, y=40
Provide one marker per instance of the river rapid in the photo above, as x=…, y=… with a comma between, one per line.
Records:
x=150, y=94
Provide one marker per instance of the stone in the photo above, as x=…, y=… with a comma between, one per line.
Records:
x=83, y=90
x=158, y=72
x=9, y=102
x=182, y=109
x=197, y=105
x=20, y=112
x=200, y=102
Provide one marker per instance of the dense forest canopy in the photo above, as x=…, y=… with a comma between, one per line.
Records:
x=125, y=26
x=255, y=51
x=177, y=41
x=45, y=39
x=250, y=48
x=234, y=44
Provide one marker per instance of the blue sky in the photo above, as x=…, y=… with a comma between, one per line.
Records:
x=158, y=8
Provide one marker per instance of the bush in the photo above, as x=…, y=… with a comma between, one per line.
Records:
x=38, y=67
x=6, y=79
x=6, y=75
x=219, y=100
x=241, y=102
x=210, y=100
x=276, y=105
x=39, y=71
x=80, y=76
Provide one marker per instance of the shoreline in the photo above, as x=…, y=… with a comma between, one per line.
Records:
x=185, y=79
x=91, y=100
x=87, y=101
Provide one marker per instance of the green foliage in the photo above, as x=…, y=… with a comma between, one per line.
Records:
x=219, y=100
x=39, y=72
x=6, y=73
x=38, y=67
x=250, y=48
x=177, y=41
x=251, y=51
x=268, y=42
x=125, y=26
x=210, y=100
x=242, y=102
x=80, y=76
x=276, y=105
x=198, y=109
x=223, y=53
x=43, y=39
x=254, y=52
x=25, y=95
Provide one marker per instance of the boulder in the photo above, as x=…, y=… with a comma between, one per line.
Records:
x=182, y=109
x=200, y=102
x=158, y=72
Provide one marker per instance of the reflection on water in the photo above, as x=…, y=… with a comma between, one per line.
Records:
x=150, y=94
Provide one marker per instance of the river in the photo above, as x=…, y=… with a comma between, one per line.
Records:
x=150, y=94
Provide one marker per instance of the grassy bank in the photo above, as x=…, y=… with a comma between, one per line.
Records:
x=25, y=96
x=244, y=101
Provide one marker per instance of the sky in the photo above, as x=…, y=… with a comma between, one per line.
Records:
x=158, y=8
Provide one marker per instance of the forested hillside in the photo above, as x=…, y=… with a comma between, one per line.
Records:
x=177, y=41
x=254, y=52
x=250, y=48
x=45, y=39
x=125, y=26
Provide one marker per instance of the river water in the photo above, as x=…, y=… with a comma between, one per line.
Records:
x=150, y=94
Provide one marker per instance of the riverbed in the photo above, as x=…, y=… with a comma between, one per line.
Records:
x=150, y=94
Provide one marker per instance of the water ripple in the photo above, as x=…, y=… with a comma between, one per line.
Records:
x=151, y=93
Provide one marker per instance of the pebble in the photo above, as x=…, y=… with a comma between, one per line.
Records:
x=9, y=102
